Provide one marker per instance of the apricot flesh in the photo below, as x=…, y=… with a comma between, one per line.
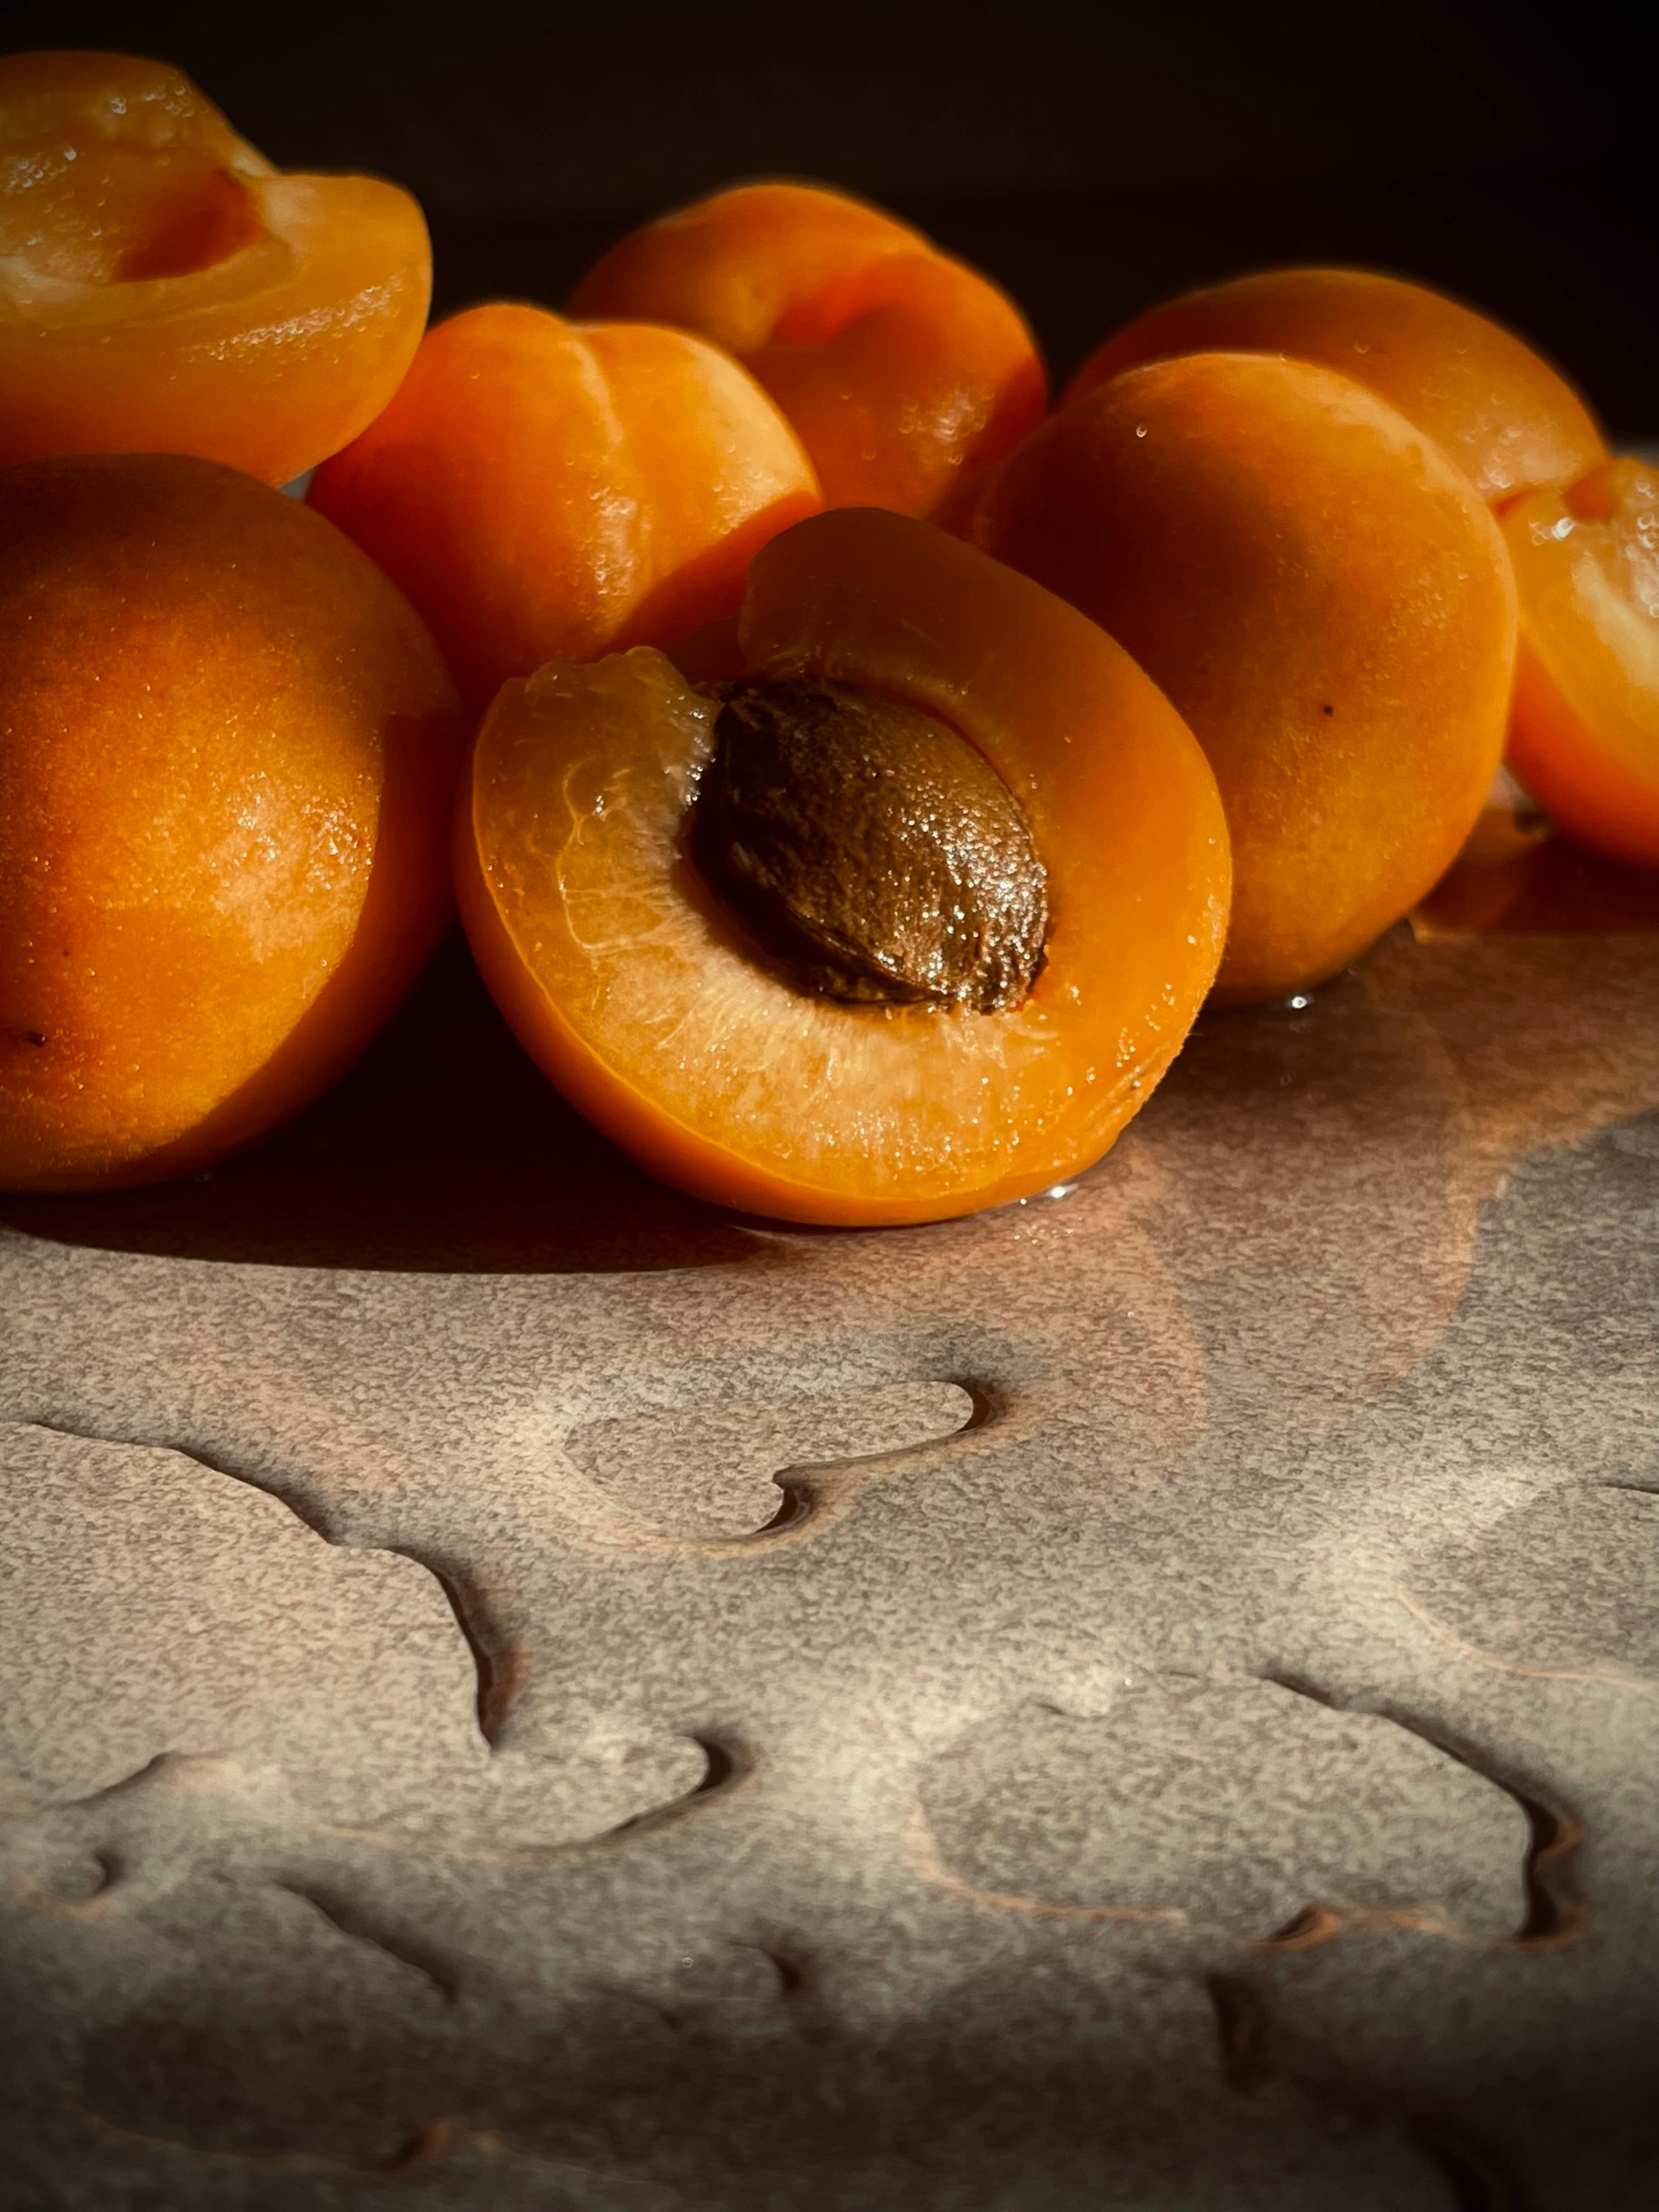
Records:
x=1585, y=735
x=900, y=367
x=1498, y=409
x=226, y=766
x=1325, y=599
x=544, y=489
x=164, y=289
x=629, y=986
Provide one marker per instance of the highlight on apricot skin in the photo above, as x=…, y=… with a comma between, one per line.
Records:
x=707, y=1049
x=227, y=767
x=1500, y=410
x=1324, y=596
x=164, y=289
x=900, y=367
x=544, y=489
x=1584, y=733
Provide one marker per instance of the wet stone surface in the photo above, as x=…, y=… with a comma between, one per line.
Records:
x=520, y=1686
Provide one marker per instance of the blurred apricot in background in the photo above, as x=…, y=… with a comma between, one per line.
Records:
x=899, y=366
x=164, y=289
x=551, y=490
x=1498, y=409
x=1584, y=736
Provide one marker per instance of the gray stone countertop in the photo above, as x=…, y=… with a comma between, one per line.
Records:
x=530, y=1692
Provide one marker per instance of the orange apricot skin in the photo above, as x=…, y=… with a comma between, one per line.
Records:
x=227, y=772
x=548, y=490
x=1584, y=728
x=1501, y=412
x=869, y=598
x=899, y=366
x=172, y=293
x=1323, y=596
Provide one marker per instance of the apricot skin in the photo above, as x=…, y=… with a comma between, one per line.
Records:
x=163, y=290
x=549, y=491
x=226, y=767
x=1321, y=594
x=1584, y=733
x=1500, y=411
x=721, y=1078
x=900, y=367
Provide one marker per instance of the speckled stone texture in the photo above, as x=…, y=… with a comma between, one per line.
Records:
x=537, y=1696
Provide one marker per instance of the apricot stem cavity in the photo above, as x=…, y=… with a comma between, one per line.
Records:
x=876, y=857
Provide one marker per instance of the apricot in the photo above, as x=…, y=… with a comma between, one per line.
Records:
x=716, y=1052
x=548, y=490
x=1323, y=595
x=1584, y=737
x=899, y=366
x=1500, y=411
x=164, y=289
x=226, y=767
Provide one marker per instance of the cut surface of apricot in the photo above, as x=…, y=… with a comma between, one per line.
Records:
x=227, y=770
x=899, y=366
x=544, y=489
x=1323, y=596
x=1584, y=733
x=163, y=290
x=633, y=987
x=1500, y=411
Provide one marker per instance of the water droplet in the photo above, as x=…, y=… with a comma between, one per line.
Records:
x=1141, y=429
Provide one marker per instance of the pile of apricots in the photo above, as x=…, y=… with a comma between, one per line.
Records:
x=853, y=772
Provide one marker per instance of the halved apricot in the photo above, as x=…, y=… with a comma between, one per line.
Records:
x=1501, y=411
x=1324, y=596
x=163, y=290
x=228, y=765
x=1584, y=733
x=552, y=490
x=899, y=366
x=655, y=1011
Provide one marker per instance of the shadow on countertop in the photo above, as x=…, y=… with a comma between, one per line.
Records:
x=445, y=1151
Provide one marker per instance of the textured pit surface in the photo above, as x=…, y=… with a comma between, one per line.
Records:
x=519, y=1686
x=876, y=856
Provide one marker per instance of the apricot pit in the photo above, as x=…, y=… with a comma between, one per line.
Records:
x=875, y=854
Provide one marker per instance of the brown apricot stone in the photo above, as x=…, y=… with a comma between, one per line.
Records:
x=876, y=855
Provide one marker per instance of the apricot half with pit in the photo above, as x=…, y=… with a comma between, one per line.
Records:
x=228, y=760
x=906, y=920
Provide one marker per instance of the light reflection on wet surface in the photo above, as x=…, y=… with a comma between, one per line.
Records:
x=1327, y=1397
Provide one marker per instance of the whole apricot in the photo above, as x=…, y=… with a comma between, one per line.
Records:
x=227, y=765
x=1584, y=733
x=1497, y=407
x=544, y=489
x=907, y=920
x=1323, y=595
x=164, y=289
x=900, y=367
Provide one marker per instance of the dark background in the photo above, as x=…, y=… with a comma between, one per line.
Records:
x=1092, y=158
